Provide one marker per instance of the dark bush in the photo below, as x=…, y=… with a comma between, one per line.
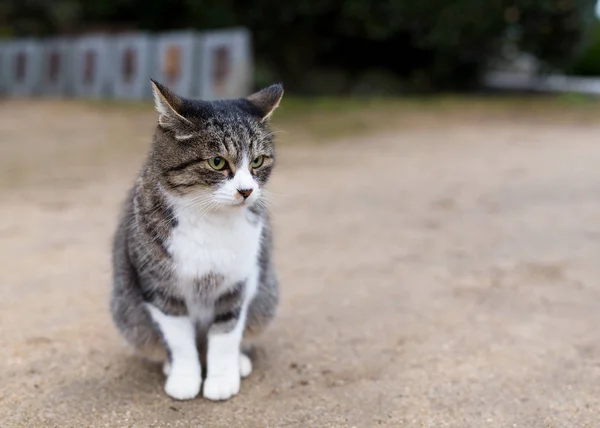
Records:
x=588, y=63
x=431, y=44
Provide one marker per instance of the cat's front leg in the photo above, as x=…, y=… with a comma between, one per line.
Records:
x=225, y=363
x=184, y=376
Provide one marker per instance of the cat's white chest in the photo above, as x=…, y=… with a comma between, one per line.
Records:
x=226, y=245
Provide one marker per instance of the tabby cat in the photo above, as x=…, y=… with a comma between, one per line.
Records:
x=192, y=264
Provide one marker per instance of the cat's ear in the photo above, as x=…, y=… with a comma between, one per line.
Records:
x=168, y=105
x=266, y=100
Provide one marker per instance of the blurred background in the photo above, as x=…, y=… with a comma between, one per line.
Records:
x=436, y=207
x=351, y=47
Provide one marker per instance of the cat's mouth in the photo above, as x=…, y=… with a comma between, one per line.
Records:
x=238, y=203
x=244, y=202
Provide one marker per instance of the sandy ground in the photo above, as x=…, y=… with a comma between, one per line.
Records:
x=435, y=277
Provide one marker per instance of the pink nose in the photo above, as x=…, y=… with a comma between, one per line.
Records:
x=245, y=192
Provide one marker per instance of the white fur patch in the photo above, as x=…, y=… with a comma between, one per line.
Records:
x=184, y=374
x=222, y=242
x=184, y=137
x=245, y=365
x=160, y=104
x=225, y=364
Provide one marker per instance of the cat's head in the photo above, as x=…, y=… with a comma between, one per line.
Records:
x=210, y=155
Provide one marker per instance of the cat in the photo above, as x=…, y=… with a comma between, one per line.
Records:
x=192, y=255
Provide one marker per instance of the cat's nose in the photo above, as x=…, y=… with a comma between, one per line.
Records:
x=245, y=192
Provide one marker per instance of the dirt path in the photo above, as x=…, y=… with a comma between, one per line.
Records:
x=430, y=279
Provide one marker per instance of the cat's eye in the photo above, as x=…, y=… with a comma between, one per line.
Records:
x=217, y=163
x=257, y=162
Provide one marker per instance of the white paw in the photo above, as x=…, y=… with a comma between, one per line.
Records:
x=183, y=387
x=245, y=365
x=166, y=368
x=222, y=386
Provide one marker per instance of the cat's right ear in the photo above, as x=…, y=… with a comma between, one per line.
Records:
x=168, y=105
x=266, y=101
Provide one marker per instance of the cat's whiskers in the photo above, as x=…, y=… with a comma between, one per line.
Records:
x=266, y=137
x=202, y=206
x=211, y=206
x=261, y=203
x=267, y=199
x=270, y=192
x=223, y=197
x=196, y=203
x=206, y=203
x=168, y=219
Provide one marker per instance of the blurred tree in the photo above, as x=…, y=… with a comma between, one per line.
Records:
x=588, y=63
x=556, y=31
x=431, y=44
x=38, y=17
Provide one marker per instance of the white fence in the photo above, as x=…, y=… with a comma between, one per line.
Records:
x=552, y=83
x=210, y=65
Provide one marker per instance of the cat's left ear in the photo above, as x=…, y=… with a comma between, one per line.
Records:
x=168, y=105
x=266, y=101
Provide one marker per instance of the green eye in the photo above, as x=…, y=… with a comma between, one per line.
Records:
x=257, y=162
x=217, y=163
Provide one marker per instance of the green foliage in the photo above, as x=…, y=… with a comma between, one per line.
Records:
x=428, y=44
x=432, y=44
x=588, y=64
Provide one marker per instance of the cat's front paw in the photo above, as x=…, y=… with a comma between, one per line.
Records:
x=183, y=387
x=245, y=365
x=222, y=386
